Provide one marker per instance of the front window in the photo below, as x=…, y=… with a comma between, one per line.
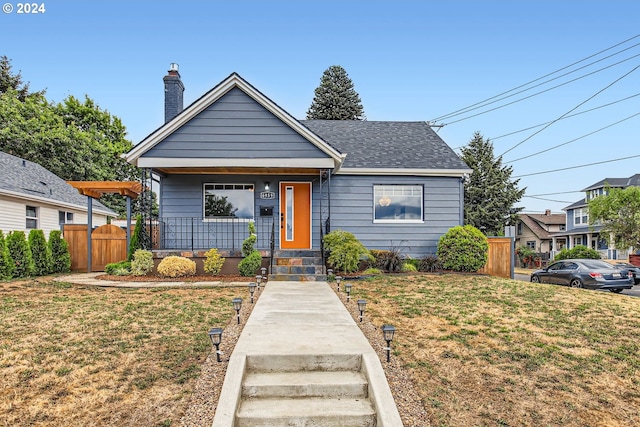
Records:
x=398, y=203
x=229, y=200
x=580, y=216
x=32, y=218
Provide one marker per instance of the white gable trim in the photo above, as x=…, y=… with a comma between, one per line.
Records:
x=404, y=172
x=234, y=80
x=166, y=162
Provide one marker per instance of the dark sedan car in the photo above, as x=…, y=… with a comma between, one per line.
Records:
x=585, y=273
x=634, y=269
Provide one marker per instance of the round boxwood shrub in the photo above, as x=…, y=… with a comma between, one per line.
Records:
x=176, y=266
x=463, y=248
x=579, y=251
x=214, y=262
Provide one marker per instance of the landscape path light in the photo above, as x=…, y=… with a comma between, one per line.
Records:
x=263, y=270
x=361, y=305
x=237, y=305
x=338, y=280
x=387, y=332
x=329, y=273
x=252, y=289
x=258, y=280
x=347, y=288
x=216, y=338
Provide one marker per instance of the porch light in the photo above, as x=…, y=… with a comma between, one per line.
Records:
x=237, y=305
x=387, y=332
x=215, y=334
x=338, y=280
x=252, y=289
x=267, y=184
x=361, y=305
x=347, y=288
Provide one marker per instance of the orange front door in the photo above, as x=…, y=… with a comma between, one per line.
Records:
x=295, y=215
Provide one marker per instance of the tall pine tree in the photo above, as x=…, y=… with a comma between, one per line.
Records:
x=489, y=193
x=336, y=98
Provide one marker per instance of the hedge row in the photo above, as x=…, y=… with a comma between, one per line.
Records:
x=29, y=256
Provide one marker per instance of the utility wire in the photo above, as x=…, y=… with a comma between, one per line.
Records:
x=573, y=109
x=548, y=200
x=539, y=78
x=573, y=140
x=565, y=117
x=579, y=166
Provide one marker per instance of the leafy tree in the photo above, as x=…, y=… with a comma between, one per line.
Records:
x=6, y=263
x=20, y=254
x=336, y=98
x=618, y=212
x=61, y=259
x=40, y=252
x=489, y=192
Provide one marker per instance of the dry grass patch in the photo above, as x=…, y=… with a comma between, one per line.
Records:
x=73, y=355
x=494, y=352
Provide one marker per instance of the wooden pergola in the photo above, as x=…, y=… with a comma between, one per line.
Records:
x=95, y=190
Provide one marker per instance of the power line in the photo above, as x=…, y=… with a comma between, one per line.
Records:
x=579, y=166
x=554, y=194
x=548, y=200
x=540, y=78
x=573, y=140
x=573, y=109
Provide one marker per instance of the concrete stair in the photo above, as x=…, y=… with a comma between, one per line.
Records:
x=305, y=391
x=297, y=265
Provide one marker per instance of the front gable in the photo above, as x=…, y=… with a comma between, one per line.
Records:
x=233, y=126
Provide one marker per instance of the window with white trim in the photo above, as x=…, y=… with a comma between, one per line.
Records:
x=398, y=203
x=32, y=218
x=531, y=244
x=224, y=200
x=580, y=216
x=65, y=217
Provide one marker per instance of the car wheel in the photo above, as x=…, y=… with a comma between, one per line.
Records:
x=535, y=279
x=575, y=283
x=616, y=291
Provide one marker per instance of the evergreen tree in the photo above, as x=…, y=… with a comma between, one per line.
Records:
x=61, y=259
x=136, y=239
x=10, y=81
x=20, y=254
x=40, y=252
x=6, y=264
x=336, y=98
x=489, y=192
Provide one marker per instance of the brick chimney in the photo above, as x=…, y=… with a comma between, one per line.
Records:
x=173, y=90
x=547, y=212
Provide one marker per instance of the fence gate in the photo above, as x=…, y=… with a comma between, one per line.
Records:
x=500, y=260
x=108, y=244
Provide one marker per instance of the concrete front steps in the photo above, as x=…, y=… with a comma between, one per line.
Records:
x=305, y=391
x=297, y=266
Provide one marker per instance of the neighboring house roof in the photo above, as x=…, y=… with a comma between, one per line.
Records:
x=376, y=147
x=535, y=223
x=616, y=182
x=27, y=180
x=579, y=204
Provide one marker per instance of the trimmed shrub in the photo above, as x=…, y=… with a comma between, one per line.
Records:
x=214, y=262
x=429, y=263
x=408, y=267
x=40, y=252
x=176, y=266
x=60, y=257
x=20, y=254
x=6, y=264
x=250, y=264
x=579, y=251
x=121, y=268
x=249, y=243
x=136, y=239
x=142, y=262
x=463, y=248
x=345, y=251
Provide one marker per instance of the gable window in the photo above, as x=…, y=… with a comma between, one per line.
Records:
x=398, y=203
x=228, y=200
x=580, y=216
x=32, y=218
x=65, y=217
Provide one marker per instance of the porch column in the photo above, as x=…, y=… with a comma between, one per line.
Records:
x=128, y=223
x=89, y=228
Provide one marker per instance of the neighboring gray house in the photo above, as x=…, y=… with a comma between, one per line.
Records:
x=578, y=230
x=234, y=155
x=31, y=197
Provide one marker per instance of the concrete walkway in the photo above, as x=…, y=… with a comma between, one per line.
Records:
x=303, y=324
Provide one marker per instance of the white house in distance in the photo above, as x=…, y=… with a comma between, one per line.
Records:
x=31, y=197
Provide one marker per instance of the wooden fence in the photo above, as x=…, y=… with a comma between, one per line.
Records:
x=500, y=258
x=108, y=244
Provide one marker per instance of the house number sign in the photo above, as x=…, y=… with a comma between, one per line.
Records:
x=267, y=195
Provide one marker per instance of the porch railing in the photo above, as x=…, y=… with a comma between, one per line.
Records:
x=198, y=233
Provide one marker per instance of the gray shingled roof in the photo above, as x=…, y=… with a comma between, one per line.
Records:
x=404, y=145
x=616, y=182
x=31, y=179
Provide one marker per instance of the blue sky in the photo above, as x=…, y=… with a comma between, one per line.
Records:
x=409, y=60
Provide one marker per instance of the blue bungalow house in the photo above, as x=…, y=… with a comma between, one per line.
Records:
x=235, y=156
x=579, y=232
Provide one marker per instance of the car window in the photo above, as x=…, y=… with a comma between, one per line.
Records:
x=596, y=264
x=570, y=266
x=555, y=266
